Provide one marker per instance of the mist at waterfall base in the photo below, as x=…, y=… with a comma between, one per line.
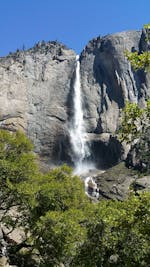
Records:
x=80, y=148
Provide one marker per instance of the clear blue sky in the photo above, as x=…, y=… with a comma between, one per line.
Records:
x=73, y=22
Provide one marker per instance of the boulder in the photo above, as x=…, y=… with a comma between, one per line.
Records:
x=115, y=182
x=142, y=184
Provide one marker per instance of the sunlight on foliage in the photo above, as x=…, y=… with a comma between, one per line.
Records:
x=131, y=122
x=61, y=223
x=140, y=60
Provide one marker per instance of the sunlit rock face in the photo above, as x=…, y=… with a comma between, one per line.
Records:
x=108, y=80
x=34, y=92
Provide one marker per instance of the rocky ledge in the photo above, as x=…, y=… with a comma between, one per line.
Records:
x=117, y=182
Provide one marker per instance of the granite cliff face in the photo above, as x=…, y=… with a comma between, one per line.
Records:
x=36, y=92
x=108, y=79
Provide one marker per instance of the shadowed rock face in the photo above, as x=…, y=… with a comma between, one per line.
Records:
x=139, y=154
x=36, y=91
x=106, y=150
x=108, y=79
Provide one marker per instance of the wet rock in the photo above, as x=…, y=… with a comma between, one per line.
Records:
x=115, y=182
x=106, y=149
x=118, y=182
x=91, y=187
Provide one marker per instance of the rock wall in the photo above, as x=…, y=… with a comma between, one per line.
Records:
x=108, y=79
x=36, y=91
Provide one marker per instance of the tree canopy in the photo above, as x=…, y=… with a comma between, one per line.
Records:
x=62, y=225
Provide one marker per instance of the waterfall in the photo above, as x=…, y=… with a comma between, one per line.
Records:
x=80, y=148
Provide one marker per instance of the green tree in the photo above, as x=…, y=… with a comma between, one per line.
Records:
x=117, y=235
x=135, y=130
x=131, y=122
x=56, y=203
x=142, y=60
x=17, y=164
x=61, y=223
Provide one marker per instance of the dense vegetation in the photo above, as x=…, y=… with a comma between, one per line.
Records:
x=60, y=222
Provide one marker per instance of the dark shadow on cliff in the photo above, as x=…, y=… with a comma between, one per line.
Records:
x=104, y=67
x=106, y=154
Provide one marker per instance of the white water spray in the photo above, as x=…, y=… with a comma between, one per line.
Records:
x=80, y=148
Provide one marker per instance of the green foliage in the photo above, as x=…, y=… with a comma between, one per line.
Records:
x=60, y=234
x=139, y=61
x=135, y=129
x=142, y=60
x=147, y=110
x=61, y=223
x=131, y=122
x=81, y=233
x=118, y=234
x=17, y=164
x=147, y=29
x=56, y=202
x=134, y=122
x=57, y=190
x=16, y=157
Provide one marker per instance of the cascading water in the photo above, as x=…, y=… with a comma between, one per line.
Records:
x=81, y=151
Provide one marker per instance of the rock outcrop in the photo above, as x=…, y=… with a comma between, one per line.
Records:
x=117, y=182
